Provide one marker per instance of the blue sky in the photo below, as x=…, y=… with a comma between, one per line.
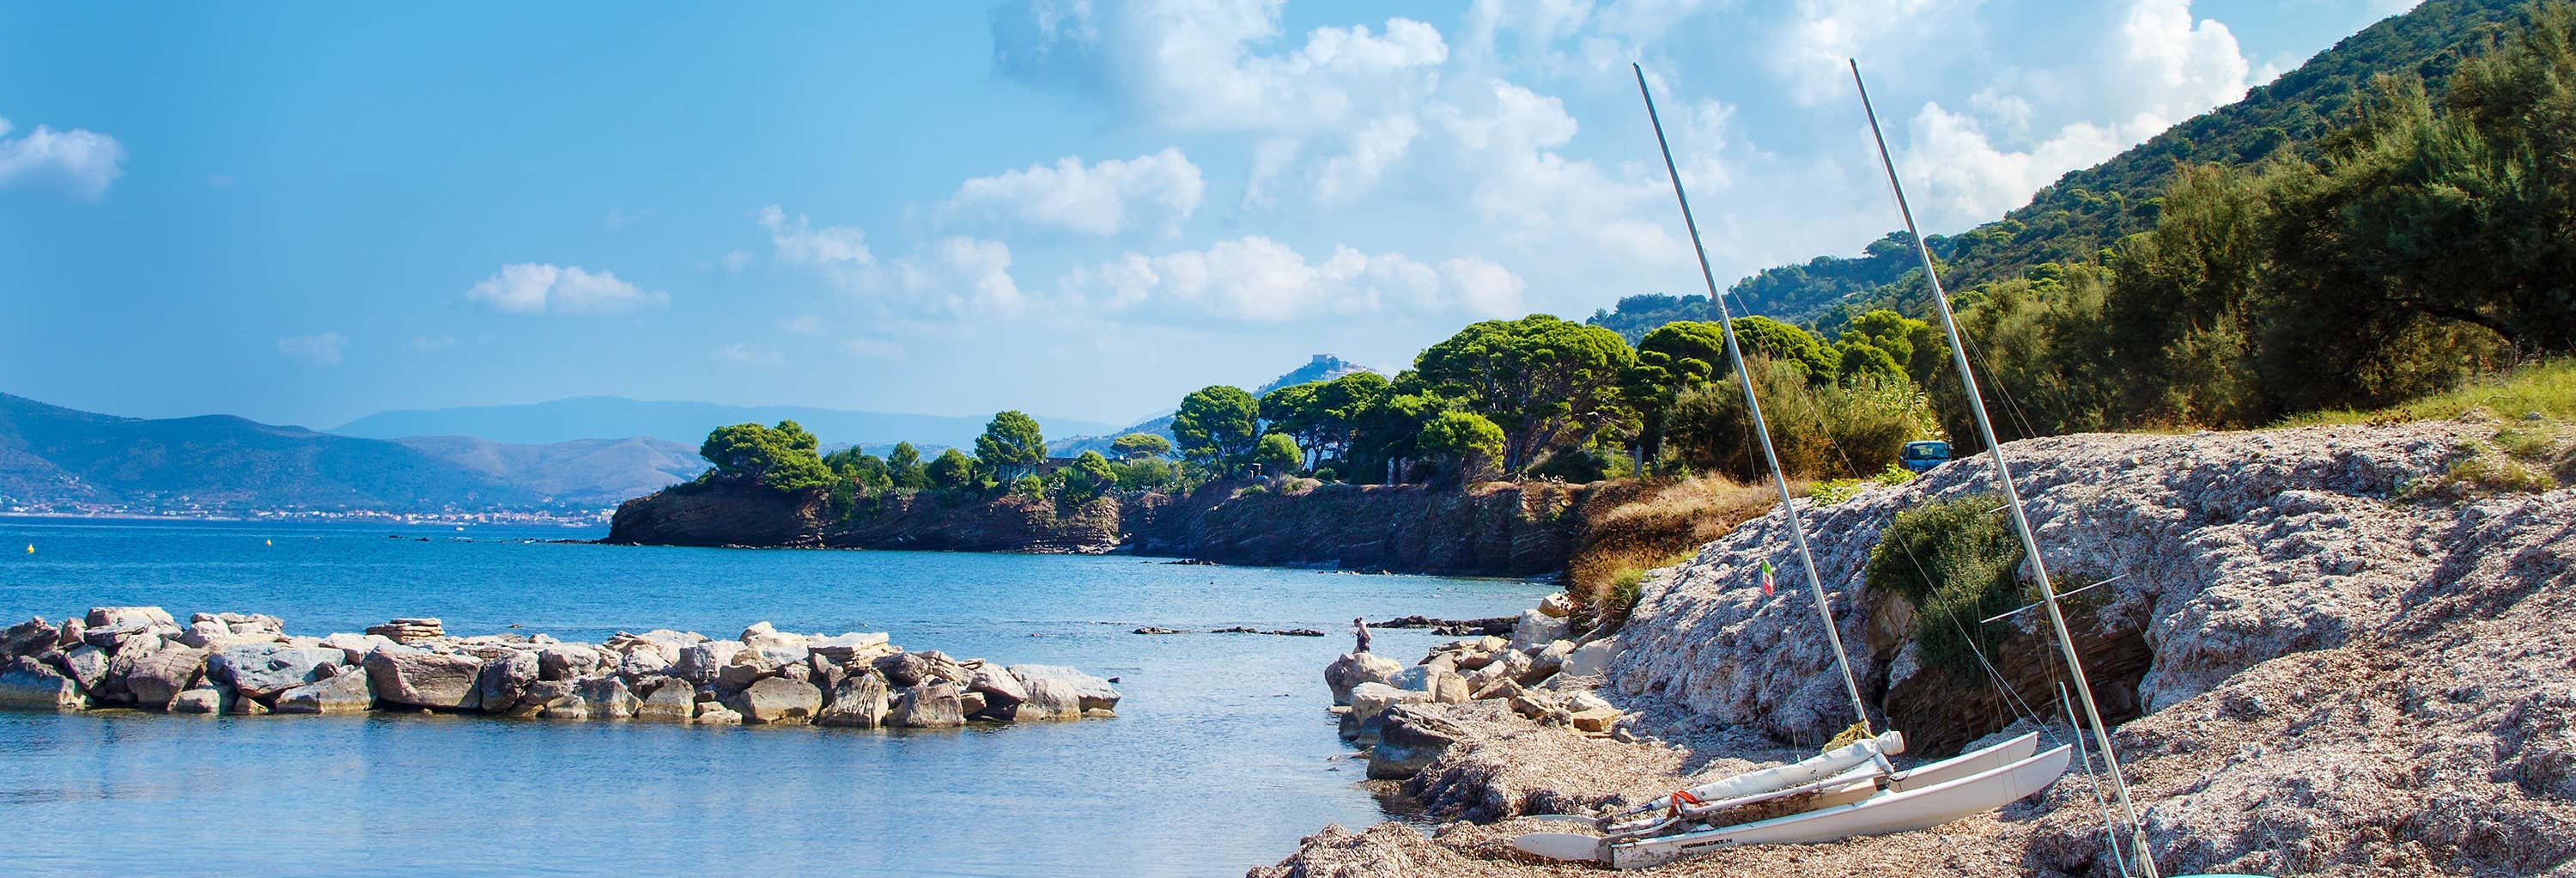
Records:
x=308, y=213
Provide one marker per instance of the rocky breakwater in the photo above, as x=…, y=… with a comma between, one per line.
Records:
x=2335, y=651
x=1545, y=672
x=246, y=664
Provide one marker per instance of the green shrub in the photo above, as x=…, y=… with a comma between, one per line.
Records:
x=1958, y=562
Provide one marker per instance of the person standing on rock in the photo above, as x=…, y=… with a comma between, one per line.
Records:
x=1359, y=632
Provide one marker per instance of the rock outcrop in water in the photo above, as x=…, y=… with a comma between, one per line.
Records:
x=232, y=663
x=1496, y=529
x=2326, y=660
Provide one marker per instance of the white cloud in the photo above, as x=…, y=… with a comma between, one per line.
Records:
x=873, y=349
x=734, y=260
x=1256, y=279
x=1370, y=150
x=799, y=243
x=432, y=343
x=744, y=355
x=802, y=324
x=2162, y=68
x=539, y=288
x=1811, y=50
x=79, y=162
x=322, y=349
x=1193, y=67
x=960, y=276
x=1111, y=197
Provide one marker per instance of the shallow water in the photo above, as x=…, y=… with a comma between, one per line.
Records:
x=1220, y=758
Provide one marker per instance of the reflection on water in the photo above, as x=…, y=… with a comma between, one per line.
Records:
x=1220, y=759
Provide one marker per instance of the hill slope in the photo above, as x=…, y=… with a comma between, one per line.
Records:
x=50, y=453
x=588, y=417
x=2091, y=208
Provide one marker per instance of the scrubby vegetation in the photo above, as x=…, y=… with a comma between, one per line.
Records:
x=1634, y=527
x=1958, y=562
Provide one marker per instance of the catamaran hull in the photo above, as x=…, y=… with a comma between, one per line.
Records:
x=1892, y=812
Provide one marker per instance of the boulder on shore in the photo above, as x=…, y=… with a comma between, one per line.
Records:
x=30, y=685
x=1354, y=668
x=779, y=701
x=156, y=679
x=668, y=700
x=345, y=692
x=931, y=705
x=265, y=669
x=1095, y=693
x=424, y=679
x=858, y=702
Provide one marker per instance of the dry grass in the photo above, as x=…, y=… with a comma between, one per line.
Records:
x=1632, y=527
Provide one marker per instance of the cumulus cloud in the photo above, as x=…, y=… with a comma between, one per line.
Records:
x=799, y=243
x=959, y=276
x=1108, y=198
x=542, y=288
x=79, y=162
x=321, y=349
x=2163, y=67
x=1810, y=50
x=1256, y=279
x=432, y=342
x=1192, y=67
x=802, y=324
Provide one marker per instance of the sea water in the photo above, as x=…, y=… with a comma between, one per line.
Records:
x=1220, y=758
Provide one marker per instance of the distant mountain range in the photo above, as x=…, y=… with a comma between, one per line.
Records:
x=590, y=417
x=517, y=457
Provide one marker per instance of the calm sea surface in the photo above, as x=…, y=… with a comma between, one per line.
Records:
x=1220, y=758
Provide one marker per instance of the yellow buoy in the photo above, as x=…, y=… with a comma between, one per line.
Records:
x=268, y=542
x=31, y=548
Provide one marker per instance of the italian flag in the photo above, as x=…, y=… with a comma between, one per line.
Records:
x=1766, y=577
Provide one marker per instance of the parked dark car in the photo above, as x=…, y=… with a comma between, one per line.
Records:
x=1920, y=456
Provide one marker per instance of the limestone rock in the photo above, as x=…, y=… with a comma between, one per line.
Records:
x=85, y=664
x=1556, y=606
x=424, y=679
x=105, y=618
x=931, y=705
x=354, y=647
x=31, y=637
x=1409, y=739
x=1591, y=659
x=1049, y=699
x=205, y=700
x=713, y=714
x=1354, y=668
x=1096, y=693
x=858, y=702
x=1537, y=629
x=902, y=670
x=667, y=699
x=554, y=699
x=30, y=685
x=1594, y=720
x=345, y=692
x=566, y=661
x=410, y=632
x=1369, y=703
x=1002, y=693
x=851, y=647
x=778, y=700
x=607, y=698
x=265, y=669
x=504, y=679
x=158, y=677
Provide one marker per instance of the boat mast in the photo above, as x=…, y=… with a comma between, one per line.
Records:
x=2012, y=496
x=1744, y=377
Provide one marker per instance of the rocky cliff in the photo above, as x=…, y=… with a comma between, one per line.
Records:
x=1497, y=529
x=2335, y=650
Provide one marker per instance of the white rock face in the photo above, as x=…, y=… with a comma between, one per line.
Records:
x=2238, y=547
x=1537, y=629
x=1590, y=659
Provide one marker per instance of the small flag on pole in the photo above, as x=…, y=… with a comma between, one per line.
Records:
x=1766, y=578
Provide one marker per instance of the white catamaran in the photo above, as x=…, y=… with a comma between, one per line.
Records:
x=1845, y=792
